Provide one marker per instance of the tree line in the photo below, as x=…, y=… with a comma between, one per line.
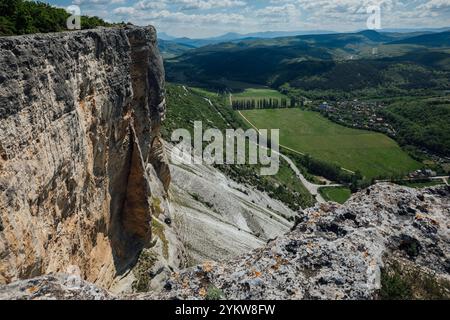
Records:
x=24, y=17
x=265, y=103
x=355, y=181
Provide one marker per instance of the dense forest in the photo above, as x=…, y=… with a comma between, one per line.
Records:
x=24, y=17
x=334, y=65
x=423, y=123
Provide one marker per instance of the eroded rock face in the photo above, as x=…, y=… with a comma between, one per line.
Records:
x=335, y=252
x=79, y=114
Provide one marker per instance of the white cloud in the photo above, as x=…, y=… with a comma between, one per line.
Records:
x=96, y=2
x=125, y=11
x=287, y=13
x=208, y=4
x=196, y=18
x=435, y=4
x=150, y=4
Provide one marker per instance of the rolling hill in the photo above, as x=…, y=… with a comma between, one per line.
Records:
x=441, y=39
x=170, y=49
x=324, y=62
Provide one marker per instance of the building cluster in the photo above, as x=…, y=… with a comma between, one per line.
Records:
x=422, y=174
x=357, y=114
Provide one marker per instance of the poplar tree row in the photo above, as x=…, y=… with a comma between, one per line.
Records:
x=270, y=103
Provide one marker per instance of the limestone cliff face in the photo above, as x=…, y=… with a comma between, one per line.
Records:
x=79, y=131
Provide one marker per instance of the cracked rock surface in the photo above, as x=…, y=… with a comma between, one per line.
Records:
x=334, y=252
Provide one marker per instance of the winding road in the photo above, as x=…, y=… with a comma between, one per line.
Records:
x=311, y=187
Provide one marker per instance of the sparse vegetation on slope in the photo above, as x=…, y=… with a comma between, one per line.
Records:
x=187, y=105
x=401, y=280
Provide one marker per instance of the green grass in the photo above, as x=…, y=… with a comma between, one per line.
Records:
x=205, y=93
x=286, y=176
x=422, y=184
x=336, y=194
x=373, y=154
x=259, y=93
x=186, y=107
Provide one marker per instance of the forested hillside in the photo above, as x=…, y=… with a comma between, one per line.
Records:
x=422, y=123
x=339, y=62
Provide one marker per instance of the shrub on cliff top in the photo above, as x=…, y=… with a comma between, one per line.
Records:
x=24, y=17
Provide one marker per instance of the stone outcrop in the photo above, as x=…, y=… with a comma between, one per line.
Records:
x=340, y=252
x=80, y=155
x=54, y=287
x=334, y=252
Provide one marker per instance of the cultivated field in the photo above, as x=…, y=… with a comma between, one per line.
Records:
x=373, y=154
x=259, y=94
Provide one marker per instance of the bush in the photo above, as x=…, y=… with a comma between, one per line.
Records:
x=406, y=281
x=214, y=293
x=24, y=17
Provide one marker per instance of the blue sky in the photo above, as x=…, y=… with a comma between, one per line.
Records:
x=203, y=18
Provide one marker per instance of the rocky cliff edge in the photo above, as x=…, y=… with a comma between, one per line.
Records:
x=385, y=242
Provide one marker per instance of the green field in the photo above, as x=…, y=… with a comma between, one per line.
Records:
x=259, y=94
x=188, y=105
x=204, y=92
x=373, y=154
x=336, y=194
x=420, y=185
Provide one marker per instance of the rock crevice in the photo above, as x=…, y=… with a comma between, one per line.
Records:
x=79, y=114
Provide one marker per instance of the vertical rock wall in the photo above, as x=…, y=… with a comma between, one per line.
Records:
x=79, y=127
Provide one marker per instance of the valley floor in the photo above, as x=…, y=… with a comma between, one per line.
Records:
x=305, y=132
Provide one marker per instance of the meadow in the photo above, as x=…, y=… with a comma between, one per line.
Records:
x=259, y=94
x=336, y=194
x=421, y=184
x=373, y=154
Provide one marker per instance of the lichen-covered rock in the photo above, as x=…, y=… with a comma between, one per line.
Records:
x=54, y=287
x=335, y=252
x=79, y=112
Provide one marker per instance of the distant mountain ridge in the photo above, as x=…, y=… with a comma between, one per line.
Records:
x=233, y=36
x=177, y=46
x=345, y=61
